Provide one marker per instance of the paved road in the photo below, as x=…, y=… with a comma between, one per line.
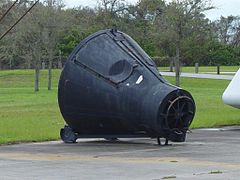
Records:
x=207, y=154
x=204, y=76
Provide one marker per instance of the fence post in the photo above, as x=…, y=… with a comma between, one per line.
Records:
x=196, y=68
x=218, y=69
x=43, y=65
x=59, y=65
x=171, y=66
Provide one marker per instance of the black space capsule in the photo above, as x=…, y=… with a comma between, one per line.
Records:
x=110, y=88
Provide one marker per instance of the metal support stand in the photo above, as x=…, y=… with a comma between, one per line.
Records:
x=166, y=142
x=159, y=141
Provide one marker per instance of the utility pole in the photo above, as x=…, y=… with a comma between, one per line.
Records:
x=177, y=67
x=177, y=61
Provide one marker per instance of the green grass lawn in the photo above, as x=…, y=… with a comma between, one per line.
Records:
x=25, y=115
x=29, y=116
x=205, y=69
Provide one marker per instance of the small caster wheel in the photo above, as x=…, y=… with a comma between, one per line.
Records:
x=67, y=135
x=159, y=141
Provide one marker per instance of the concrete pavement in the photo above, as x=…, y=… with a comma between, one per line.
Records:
x=207, y=154
x=203, y=76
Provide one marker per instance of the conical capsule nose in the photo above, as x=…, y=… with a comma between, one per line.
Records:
x=111, y=88
x=231, y=95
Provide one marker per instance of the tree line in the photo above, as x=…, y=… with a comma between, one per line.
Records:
x=167, y=31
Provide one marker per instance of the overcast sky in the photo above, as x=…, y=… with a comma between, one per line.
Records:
x=223, y=7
